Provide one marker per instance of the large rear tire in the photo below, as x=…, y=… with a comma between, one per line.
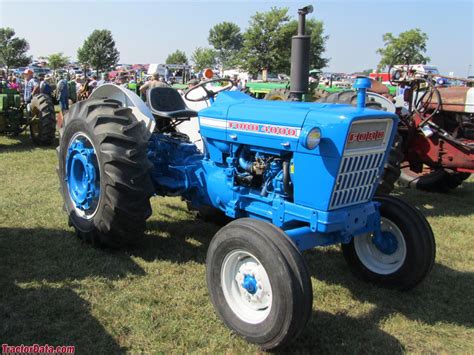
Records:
x=320, y=94
x=104, y=172
x=278, y=95
x=439, y=180
x=258, y=282
x=403, y=255
x=43, y=123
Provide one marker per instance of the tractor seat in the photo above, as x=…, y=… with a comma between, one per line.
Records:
x=167, y=103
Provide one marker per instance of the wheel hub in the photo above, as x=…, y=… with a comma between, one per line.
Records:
x=384, y=253
x=386, y=242
x=82, y=174
x=246, y=286
x=250, y=284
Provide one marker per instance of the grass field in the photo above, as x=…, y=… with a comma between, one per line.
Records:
x=153, y=298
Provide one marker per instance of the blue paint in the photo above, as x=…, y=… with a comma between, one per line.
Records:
x=82, y=174
x=362, y=84
x=250, y=284
x=386, y=242
x=241, y=172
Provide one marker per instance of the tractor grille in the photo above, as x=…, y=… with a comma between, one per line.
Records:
x=356, y=179
x=361, y=163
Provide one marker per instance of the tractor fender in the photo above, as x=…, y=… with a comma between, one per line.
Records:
x=386, y=103
x=128, y=99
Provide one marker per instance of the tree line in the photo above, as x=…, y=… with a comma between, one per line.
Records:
x=265, y=44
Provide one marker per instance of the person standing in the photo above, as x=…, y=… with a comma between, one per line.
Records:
x=84, y=89
x=104, y=80
x=63, y=93
x=12, y=84
x=72, y=90
x=79, y=86
x=44, y=87
x=31, y=86
x=93, y=82
x=153, y=83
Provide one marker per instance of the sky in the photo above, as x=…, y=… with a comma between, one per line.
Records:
x=147, y=31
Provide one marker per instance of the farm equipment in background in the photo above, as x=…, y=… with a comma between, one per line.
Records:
x=15, y=117
x=292, y=175
x=437, y=132
x=280, y=91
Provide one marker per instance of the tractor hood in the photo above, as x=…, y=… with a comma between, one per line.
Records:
x=238, y=118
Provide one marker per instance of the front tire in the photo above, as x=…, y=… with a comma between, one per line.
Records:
x=258, y=282
x=104, y=172
x=404, y=254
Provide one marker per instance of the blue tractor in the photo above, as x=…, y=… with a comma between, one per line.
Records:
x=291, y=175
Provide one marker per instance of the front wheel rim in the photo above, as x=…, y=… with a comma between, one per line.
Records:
x=376, y=259
x=246, y=286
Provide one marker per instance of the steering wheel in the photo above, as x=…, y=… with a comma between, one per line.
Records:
x=423, y=104
x=210, y=94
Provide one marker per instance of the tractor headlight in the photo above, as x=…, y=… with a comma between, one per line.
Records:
x=312, y=138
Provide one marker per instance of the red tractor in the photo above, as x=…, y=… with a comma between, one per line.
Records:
x=437, y=132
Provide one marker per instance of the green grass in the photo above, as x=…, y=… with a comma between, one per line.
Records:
x=153, y=298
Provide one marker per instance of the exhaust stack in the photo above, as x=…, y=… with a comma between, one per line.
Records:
x=300, y=45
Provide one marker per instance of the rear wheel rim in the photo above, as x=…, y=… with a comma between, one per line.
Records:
x=383, y=261
x=83, y=175
x=246, y=286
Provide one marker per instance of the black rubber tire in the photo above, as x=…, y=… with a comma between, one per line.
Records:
x=278, y=95
x=286, y=268
x=440, y=180
x=420, y=247
x=320, y=94
x=120, y=141
x=391, y=171
x=43, y=124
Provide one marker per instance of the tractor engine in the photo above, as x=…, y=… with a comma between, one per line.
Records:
x=264, y=172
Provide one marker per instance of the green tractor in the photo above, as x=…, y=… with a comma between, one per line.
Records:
x=15, y=117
